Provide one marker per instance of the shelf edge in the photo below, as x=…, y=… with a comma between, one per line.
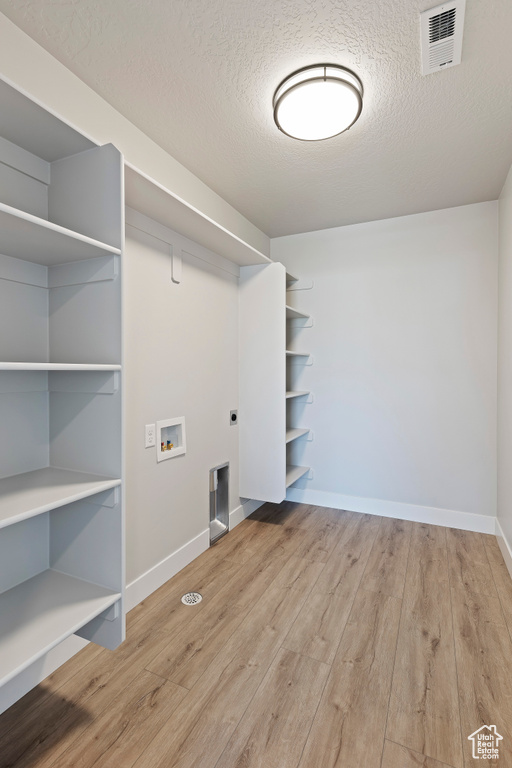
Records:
x=107, y=602
x=290, y=437
x=26, y=366
x=49, y=226
x=290, y=473
x=35, y=511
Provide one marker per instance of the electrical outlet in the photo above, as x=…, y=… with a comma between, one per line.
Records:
x=150, y=435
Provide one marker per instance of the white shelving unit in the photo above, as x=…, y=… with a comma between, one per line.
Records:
x=61, y=466
x=269, y=437
x=295, y=360
x=262, y=404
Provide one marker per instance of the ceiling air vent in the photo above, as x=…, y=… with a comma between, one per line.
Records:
x=441, y=36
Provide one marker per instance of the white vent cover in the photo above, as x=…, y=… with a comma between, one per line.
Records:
x=441, y=36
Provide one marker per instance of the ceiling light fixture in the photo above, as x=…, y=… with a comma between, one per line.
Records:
x=318, y=102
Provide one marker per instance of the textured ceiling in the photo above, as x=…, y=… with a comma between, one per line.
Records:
x=198, y=76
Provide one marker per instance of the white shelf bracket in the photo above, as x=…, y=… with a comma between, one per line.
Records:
x=106, y=499
x=176, y=264
x=81, y=272
x=85, y=382
x=298, y=320
x=302, y=360
x=301, y=285
x=112, y=613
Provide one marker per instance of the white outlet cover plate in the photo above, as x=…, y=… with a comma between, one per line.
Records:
x=150, y=435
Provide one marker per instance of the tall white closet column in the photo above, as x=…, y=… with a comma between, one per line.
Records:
x=61, y=465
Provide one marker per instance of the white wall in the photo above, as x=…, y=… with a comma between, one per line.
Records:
x=505, y=365
x=181, y=359
x=405, y=364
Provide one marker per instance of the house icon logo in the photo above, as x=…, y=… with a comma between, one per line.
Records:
x=486, y=743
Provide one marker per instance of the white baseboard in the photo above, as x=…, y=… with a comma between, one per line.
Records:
x=148, y=582
x=506, y=548
x=244, y=510
x=466, y=521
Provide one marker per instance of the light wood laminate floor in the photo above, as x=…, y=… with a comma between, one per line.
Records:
x=324, y=639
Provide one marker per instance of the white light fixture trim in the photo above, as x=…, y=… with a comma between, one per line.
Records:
x=318, y=102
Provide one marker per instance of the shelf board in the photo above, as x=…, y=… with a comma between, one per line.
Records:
x=289, y=353
x=294, y=314
x=32, y=493
x=290, y=393
x=151, y=198
x=57, y=367
x=37, y=130
x=294, y=473
x=293, y=434
x=27, y=237
x=41, y=612
x=291, y=278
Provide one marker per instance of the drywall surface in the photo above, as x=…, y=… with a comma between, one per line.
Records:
x=404, y=342
x=181, y=359
x=505, y=363
x=31, y=69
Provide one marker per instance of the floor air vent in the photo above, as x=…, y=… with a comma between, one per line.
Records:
x=441, y=36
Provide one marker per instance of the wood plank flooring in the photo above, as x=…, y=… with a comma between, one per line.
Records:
x=325, y=639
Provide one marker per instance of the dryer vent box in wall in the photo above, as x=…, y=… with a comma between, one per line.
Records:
x=441, y=36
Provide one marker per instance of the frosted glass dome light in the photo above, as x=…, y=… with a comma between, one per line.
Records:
x=318, y=102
